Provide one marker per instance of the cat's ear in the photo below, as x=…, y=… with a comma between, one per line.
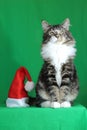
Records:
x=66, y=24
x=45, y=25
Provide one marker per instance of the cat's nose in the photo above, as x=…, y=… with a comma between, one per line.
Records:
x=58, y=35
x=60, y=38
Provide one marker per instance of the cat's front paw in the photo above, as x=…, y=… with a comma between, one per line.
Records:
x=65, y=104
x=55, y=105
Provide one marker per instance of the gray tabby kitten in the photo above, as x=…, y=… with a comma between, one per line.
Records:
x=57, y=84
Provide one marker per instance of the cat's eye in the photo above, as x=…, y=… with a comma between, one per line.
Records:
x=51, y=33
x=61, y=33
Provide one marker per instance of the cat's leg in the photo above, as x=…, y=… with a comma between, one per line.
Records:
x=54, y=96
x=47, y=88
x=41, y=102
x=50, y=104
x=46, y=104
x=68, y=95
x=47, y=99
x=55, y=105
x=42, y=98
x=65, y=102
x=69, y=86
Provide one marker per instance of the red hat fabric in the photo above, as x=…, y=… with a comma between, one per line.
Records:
x=18, y=96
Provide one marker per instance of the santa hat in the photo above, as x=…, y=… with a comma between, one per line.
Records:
x=18, y=96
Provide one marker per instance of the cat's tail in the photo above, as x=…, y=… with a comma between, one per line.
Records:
x=32, y=101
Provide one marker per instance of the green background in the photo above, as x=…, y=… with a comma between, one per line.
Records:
x=21, y=37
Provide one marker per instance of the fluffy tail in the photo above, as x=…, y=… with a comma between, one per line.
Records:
x=32, y=101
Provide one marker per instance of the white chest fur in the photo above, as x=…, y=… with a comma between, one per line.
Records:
x=58, y=54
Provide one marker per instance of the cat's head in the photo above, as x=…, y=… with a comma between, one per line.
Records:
x=58, y=34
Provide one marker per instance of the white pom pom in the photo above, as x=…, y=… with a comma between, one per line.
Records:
x=29, y=86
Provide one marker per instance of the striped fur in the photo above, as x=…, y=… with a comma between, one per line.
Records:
x=57, y=84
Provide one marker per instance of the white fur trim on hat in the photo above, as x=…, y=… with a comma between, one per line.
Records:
x=29, y=85
x=12, y=102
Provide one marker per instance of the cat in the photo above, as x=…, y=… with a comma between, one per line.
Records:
x=57, y=84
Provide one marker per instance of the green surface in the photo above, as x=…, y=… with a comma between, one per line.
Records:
x=21, y=36
x=43, y=119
